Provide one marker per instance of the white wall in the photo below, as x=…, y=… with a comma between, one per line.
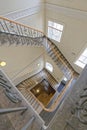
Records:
x=74, y=38
x=57, y=73
x=35, y=21
x=18, y=57
x=29, y=70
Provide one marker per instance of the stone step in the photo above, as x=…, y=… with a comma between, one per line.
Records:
x=31, y=100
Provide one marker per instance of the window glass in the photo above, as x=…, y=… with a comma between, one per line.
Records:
x=49, y=67
x=82, y=60
x=55, y=31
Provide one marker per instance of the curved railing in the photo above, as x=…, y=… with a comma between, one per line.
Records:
x=31, y=82
x=54, y=106
x=30, y=35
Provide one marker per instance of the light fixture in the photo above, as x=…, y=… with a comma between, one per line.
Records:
x=37, y=90
x=2, y=63
x=38, y=64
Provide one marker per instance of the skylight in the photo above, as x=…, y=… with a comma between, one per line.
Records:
x=55, y=31
x=82, y=60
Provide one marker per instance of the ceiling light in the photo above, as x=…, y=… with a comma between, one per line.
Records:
x=2, y=63
x=38, y=64
x=37, y=90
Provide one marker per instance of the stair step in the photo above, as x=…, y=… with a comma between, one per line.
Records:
x=34, y=104
x=30, y=99
x=39, y=109
x=24, y=84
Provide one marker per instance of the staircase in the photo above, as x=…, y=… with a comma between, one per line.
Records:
x=12, y=32
x=25, y=86
x=15, y=33
x=16, y=115
x=31, y=99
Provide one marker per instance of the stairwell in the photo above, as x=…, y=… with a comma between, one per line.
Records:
x=25, y=86
x=15, y=33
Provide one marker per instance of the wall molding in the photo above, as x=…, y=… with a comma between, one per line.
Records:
x=67, y=11
x=24, y=13
x=58, y=9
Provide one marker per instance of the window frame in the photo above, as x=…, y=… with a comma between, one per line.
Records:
x=61, y=31
x=50, y=65
x=79, y=60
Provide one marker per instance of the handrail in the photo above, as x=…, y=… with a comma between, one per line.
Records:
x=10, y=110
x=59, y=98
x=55, y=104
x=21, y=24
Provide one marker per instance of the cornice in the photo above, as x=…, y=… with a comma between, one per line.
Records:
x=24, y=13
x=78, y=14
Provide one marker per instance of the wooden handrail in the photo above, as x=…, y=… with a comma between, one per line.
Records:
x=21, y=24
x=59, y=98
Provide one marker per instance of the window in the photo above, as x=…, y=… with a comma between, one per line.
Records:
x=55, y=31
x=49, y=67
x=82, y=60
x=64, y=78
